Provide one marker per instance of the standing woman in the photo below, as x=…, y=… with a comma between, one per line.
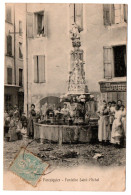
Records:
x=12, y=134
x=32, y=118
x=117, y=130
x=103, y=124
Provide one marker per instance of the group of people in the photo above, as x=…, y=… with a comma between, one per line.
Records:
x=14, y=124
x=112, y=123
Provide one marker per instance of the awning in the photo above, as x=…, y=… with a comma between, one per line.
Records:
x=9, y=85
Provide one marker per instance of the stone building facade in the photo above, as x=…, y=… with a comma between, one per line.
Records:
x=15, y=37
x=103, y=31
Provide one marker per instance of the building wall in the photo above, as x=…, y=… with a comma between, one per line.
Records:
x=18, y=12
x=57, y=46
x=95, y=37
x=9, y=27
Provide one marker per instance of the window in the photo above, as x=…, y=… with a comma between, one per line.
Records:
x=21, y=77
x=115, y=61
x=9, y=45
x=37, y=24
x=76, y=15
x=40, y=26
x=120, y=62
x=39, y=69
x=8, y=14
x=114, y=13
x=9, y=75
x=20, y=51
x=20, y=28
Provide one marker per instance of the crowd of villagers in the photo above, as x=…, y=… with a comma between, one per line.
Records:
x=111, y=123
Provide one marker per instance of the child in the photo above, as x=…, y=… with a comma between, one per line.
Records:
x=24, y=124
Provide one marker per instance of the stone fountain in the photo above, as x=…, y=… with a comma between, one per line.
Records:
x=77, y=95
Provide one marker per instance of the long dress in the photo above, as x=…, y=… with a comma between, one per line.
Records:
x=32, y=119
x=12, y=134
x=112, y=112
x=124, y=121
x=103, y=126
x=117, y=130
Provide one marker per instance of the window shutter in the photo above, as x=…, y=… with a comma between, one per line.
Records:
x=8, y=13
x=35, y=70
x=79, y=15
x=9, y=45
x=9, y=75
x=118, y=16
x=125, y=12
x=71, y=7
x=30, y=25
x=112, y=14
x=107, y=14
x=107, y=56
x=45, y=24
x=41, y=60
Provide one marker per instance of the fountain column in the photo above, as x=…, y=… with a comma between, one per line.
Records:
x=77, y=82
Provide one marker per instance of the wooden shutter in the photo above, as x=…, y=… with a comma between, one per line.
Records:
x=8, y=13
x=125, y=12
x=9, y=75
x=107, y=56
x=41, y=62
x=112, y=14
x=45, y=21
x=118, y=14
x=9, y=45
x=79, y=15
x=107, y=14
x=35, y=70
x=71, y=7
x=30, y=25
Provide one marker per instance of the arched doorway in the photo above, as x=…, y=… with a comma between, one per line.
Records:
x=52, y=101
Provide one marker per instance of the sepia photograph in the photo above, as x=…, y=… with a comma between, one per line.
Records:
x=65, y=91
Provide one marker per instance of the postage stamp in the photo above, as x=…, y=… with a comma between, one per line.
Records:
x=28, y=166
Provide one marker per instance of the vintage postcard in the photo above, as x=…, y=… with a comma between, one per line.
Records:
x=65, y=93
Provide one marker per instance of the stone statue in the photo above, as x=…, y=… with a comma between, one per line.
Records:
x=75, y=34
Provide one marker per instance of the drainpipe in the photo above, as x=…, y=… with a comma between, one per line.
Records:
x=14, y=50
x=27, y=62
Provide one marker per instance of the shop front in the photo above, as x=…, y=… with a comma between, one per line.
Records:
x=113, y=90
x=13, y=96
